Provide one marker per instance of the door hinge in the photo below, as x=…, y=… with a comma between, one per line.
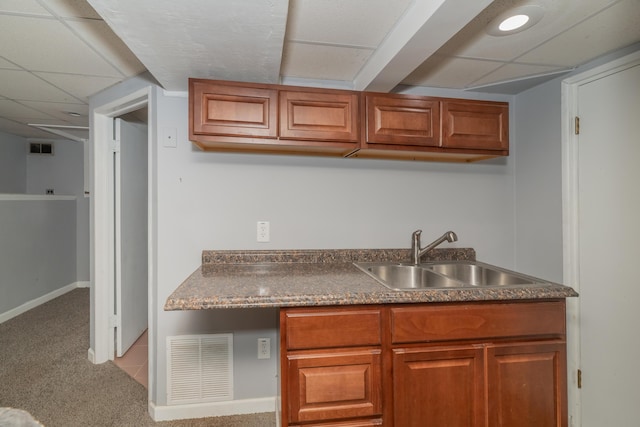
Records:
x=115, y=145
x=113, y=321
x=577, y=125
x=579, y=378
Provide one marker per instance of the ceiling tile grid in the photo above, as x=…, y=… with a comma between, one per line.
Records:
x=54, y=55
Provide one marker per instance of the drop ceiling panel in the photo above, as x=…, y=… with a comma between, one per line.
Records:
x=22, y=6
x=108, y=46
x=323, y=62
x=512, y=71
x=6, y=64
x=559, y=15
x=59, y=111
x=16, y=111
x=614, y=28
x=450, y=72
x=22, y=85
x=353, y=23
x=80, y=86
x=47, y=44
x=23, y=130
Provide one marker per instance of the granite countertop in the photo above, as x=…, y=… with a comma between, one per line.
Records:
x=247, y=279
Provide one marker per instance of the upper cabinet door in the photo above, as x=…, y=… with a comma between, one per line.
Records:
x=402, y=120
x=475, y=125
x=327, y=116
x=229, y=110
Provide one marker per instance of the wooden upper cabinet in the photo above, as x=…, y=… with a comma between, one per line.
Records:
x=330, y=116
x=475, y=125
x=406, y=121
x=268, y=118
x=221, y=109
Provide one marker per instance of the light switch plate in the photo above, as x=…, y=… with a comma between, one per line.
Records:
x=170, y=137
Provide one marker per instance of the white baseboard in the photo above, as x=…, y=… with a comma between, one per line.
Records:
x=38, y=301
x=212, y=409
x=83, y=284
x=91, y=356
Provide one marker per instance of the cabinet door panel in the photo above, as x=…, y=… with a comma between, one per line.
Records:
x=334, y=385
x=475, y=125
x=402, y=121
x=438, y=387
x=220, y=109
x=319, y=116
x=527, y=385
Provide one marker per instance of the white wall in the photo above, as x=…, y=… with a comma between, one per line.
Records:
x=13, y=163
x=538, y=173
x=212, y=201
x=37, y=250
x=64, y=173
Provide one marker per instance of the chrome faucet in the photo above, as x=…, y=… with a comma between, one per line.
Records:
x=417, y=252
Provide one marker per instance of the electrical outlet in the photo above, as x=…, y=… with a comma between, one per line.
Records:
x=264, y=348
x=263, y=231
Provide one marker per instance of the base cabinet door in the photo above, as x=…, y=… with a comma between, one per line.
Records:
x=438, y=387
x=527, y=385
x=334, y=385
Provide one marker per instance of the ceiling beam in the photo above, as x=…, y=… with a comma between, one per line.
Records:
x=425, y=27
x=227, y=40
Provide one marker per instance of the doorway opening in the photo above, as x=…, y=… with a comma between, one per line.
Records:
x=121, y=261
x=130, y=196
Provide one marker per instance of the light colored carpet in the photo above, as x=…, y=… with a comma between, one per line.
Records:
x=44, y=370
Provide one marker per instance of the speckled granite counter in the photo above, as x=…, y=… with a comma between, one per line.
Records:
x=245, y=279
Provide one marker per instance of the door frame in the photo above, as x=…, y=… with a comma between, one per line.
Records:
x=102, y=258
x=570, y=216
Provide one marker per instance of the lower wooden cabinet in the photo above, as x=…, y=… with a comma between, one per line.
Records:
x=480, y=364
x=438, y=387
x=527, y=384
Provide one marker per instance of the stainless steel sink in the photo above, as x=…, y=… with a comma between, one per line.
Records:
x=476, y=274
x=397, y=276
x=450, y=274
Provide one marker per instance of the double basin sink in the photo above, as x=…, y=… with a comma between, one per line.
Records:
x=447, y=274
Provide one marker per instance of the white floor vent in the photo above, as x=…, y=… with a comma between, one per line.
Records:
x=199, y=368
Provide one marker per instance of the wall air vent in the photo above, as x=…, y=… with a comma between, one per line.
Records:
x=199, y=368
x=41, y=148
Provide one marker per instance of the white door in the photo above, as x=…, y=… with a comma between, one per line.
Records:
x=609, y=251
x=131, y=266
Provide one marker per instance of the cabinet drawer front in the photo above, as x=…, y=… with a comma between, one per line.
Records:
x=481, y=126
x=319, y=116
x=476, y=321
x=233, y=110
x=402, y=121
x=341, y=384
x=332, y=328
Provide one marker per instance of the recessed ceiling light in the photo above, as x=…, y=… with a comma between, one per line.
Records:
x=73, y=114
x=515, y=20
